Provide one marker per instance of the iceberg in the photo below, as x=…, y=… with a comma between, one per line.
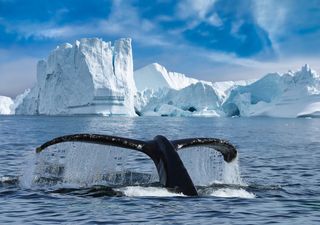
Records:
x=6, y=105
x=290, y=95
x=199, y=99
x=293, y=94
x=163, y=93
x=89, y=77
x=156, y=76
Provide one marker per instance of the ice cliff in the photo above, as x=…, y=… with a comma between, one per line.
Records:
x=293, y=94
x=89, y=77
x=6, y=105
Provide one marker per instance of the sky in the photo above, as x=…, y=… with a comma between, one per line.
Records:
x=212, y=40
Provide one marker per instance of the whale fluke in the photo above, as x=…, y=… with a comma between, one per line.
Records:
x=96, y=139
x=228, y=151
x=171, y=170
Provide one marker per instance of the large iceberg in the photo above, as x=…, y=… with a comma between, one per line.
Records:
x=165, y=93
x=89, y=77
x=293, y=94
x=6, y=105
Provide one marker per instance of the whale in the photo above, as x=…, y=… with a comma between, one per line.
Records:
x=163, y=152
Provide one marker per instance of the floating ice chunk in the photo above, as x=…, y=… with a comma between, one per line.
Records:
x=6, y=105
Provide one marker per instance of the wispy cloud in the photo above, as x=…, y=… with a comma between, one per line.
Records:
x=194, y=9
x=288, y=24
x=124, y=21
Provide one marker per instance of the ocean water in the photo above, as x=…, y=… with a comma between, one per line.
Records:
x=275, y=179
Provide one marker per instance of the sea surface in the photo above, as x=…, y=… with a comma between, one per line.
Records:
x=275, y=180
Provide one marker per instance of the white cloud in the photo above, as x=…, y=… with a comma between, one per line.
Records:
x=192, y=8
x=198, y=11
x=215, y=20
x=220, y=66
x=271, y=15
x=291, y=25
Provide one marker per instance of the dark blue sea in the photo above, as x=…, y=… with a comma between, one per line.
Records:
x=275, y=180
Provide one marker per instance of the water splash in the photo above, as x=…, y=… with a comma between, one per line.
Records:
x=206, y=166
x=93, y=166
x=83, y=165
x=231, y=173
x=26, y=179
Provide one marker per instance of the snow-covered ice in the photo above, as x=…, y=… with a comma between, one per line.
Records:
x=6, y=105
x=199, y=99
x=89, y=77
x=155, y=76
x=293, y=94
x=165, y=93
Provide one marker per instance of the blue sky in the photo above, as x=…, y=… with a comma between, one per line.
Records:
x=207, y=39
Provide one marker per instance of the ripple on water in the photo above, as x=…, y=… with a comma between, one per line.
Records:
x=279, y=160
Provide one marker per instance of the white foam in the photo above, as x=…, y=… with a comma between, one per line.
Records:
x=137, y=191
x=232, y=193
x=5, y=179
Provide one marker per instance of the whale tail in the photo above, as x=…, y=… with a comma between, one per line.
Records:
x=163, y=152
